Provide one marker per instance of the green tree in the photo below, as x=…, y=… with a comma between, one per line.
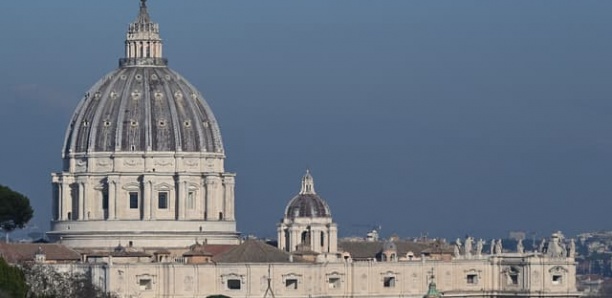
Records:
x=15, y=210
x=12, y=281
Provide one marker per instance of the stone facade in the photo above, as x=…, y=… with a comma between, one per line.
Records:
x=509, y=275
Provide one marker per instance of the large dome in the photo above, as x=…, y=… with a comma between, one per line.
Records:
x=143, y=105
x=307, y=203
x=143, y=108
x=143, y=160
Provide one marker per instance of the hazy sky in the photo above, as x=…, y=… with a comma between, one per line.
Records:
x=439, y=117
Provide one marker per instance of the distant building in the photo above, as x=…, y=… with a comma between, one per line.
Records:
x=517, y=235
x=144, y=199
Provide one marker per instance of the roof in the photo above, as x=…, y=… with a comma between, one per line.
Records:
x=371, y=250
x=19, y=252
x=254, y=251
x=197, y=250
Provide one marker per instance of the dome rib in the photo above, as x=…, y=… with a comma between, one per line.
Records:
x=170, y=95
x=121, y=114
x=95, y=122
x=213, y=137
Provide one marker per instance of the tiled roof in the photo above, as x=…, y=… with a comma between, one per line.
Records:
x=18, y=252
x=371, y=250
x=254, y=251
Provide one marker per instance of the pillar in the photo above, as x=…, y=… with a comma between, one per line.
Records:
x=60, y=203
x=147, y=199
x=112, y=199
x=228, y=199
x=212, y=207
x=281, y=237
x=181, y=198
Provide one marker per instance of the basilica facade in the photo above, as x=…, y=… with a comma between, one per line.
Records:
x=143, y=197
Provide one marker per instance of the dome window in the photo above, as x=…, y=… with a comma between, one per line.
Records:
x=134, y=123
x=136, y=94
x=187, y=124
x=205, y=123
x=97, y=95
x=138, y=77
x=113, y=95
x=158, y=95
x=107, y=123
x=85, y=123
x=162, y=123
x=178, y=94
x=123, y=77
x=153, y=77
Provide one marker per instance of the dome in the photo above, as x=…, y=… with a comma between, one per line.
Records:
x=307, y=203
x=143, y=105
x=143, y=160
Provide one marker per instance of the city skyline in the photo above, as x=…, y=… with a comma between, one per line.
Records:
x=438, y=118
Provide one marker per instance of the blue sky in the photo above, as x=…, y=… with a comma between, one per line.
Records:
x=439, y=117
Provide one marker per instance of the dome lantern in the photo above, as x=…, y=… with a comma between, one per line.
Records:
x=307, y=184
x=143, y=45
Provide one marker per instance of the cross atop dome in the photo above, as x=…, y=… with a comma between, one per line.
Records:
x=143, y=17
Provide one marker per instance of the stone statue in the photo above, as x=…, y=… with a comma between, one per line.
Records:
x=555, y=247
x=542, y=246
x=519, y=247
x=457, y=250
x=457, y=247
x=468, y=247
x=571, y=252
x=498, y=247
x=479, y=246
x=563, y=248
x=492, y=247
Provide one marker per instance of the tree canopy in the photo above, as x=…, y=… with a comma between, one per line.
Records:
x=15, y=209
x=12, y=281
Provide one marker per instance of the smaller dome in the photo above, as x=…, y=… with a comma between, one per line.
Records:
x=307, y=203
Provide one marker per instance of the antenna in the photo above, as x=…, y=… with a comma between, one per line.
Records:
x=269, y=289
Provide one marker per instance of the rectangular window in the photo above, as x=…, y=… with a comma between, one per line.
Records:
x=389, y=282
x=133, y=200
x=191, y=200
x=472, y=279
x=233, y=284
x=105, y=200
x=162, y=200
x=291, y=284
x=514, y=279
x=333, y=282
x=557, y=279
x=145, y=284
